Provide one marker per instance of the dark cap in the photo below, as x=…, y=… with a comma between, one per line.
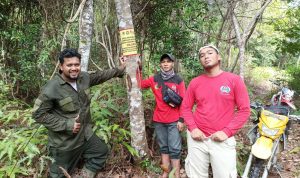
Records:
x=169, y=56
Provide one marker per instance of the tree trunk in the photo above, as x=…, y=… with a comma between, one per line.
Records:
x=86, y=32
x=129, y=49
x=242, y=58
x=242, y=38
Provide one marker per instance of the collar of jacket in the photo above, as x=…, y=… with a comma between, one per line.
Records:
x=62, y=81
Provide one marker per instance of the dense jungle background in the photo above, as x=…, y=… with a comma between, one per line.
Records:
x=260, y=40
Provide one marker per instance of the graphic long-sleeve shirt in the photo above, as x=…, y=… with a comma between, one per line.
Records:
x=163, y=113
x=222, y=104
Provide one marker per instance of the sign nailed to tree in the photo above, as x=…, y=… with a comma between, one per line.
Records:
x=128, y=42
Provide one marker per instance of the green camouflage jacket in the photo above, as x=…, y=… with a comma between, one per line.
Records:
x=59, y=103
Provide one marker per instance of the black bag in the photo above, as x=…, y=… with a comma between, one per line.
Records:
x=169, y=96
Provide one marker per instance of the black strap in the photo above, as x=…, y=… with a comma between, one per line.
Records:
x=169, y=96
x=160, y=82
x=175, y=79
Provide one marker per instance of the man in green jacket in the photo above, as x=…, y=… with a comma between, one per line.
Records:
x=63, y=107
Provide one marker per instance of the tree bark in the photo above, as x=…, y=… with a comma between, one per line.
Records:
x=86, y=32
x=242, y=38
x=136, y=110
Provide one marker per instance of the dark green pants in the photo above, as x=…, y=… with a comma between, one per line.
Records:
x=94, y=153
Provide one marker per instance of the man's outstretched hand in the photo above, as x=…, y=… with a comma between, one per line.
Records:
x=122, y=62
x=124, y=58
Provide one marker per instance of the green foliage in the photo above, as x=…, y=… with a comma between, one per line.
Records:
x=264, y=75
x=20, y=39
x=263, y=82
x=20, y=147
x=29, y=47
x=166, y=33
x=294, y=83
x=275, y=42
x=21, y=143
x=242, y=156
x=31, y=33
x=197, y=15
x=172, y=173
x=4, y=92
x=192, y=69
x=150, y=165
x=109, y=111
x=12, y=171
x=253, y=115
x=290, y=27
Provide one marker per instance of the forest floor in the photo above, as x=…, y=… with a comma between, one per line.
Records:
x=288, y=163
x=289, y=160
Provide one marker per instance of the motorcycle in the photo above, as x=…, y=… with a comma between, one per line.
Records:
x=269, y=134
x=284, y=97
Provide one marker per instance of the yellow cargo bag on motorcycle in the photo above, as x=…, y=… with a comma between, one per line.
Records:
x=271, y=126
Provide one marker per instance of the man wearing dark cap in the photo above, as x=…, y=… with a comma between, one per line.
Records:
x=166, y=118
x=222, y=108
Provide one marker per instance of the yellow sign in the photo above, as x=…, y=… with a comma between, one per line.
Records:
x=128, y=42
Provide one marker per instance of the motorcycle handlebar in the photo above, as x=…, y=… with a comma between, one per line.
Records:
x=256, y=105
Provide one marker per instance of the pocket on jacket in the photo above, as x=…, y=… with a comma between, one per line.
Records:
x=67, y=104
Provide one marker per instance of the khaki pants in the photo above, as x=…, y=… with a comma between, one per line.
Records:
x=221, y=156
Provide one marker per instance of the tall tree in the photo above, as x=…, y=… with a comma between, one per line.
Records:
x=242, y=38
x=136, y=110
x=86, y=32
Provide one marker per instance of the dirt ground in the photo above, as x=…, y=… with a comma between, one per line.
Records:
x=289, y=160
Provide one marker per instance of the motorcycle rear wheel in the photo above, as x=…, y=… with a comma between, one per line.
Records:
x=257, y=168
